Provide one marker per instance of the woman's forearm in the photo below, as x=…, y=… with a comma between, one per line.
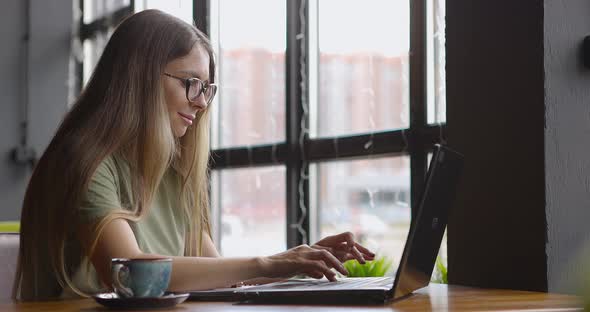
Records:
x=188, y=273
x=200, y=273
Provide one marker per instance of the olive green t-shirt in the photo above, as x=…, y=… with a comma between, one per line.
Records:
x=161, y=231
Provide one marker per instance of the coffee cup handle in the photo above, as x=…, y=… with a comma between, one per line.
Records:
x=125, y=291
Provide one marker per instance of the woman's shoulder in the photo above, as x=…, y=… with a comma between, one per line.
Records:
x=112, y=165
x=111, y=170
x=107, y=168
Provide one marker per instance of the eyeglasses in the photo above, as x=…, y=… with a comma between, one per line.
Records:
x=195, y=87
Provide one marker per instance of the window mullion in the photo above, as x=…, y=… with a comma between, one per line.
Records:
x=201, y=15
x=88, y=31
x=418, y=96
x=297, y=169
x=80, y=62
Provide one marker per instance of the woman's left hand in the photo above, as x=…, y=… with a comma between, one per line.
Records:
x=344, y=248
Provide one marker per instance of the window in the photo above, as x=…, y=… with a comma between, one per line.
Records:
x=435, y=41
x=369, y=197
x=97, y=21
x=251, y=203
x=182, y=9
x=323, y=121
x=362, y=79
x=348, y=116
x=92, y=50
x=94, y=10
x=99, y=18
x=251, y=58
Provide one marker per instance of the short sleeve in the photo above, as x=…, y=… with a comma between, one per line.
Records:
x=102, y=195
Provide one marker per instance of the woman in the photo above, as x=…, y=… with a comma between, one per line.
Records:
x=126, y=177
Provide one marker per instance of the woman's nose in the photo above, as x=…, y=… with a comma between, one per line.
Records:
x=199, y=103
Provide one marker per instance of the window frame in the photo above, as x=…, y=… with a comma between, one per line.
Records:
x=415, y=141
x=87, y=31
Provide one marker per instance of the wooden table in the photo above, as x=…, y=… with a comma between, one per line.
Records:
x=432, y=298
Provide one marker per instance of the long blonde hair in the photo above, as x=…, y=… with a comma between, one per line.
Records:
x=121, y=112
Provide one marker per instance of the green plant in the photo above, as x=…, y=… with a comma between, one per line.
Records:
x=440, y=272
x=374, y=268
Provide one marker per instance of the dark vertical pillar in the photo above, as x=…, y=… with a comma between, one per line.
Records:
x=418, y=97
x=495, y=116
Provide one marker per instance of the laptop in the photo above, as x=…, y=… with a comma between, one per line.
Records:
x=415, y=268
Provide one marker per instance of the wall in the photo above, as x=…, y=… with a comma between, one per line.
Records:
x=48, y=60
x=517, y=96
x=495, y=116
x=567, y=132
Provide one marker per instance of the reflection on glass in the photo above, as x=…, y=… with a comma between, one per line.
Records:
x=250, y=203
x=370, y=198
x=182, y=9
x=435, y=54
x=363, y=83
x=251, y=59
x=437, y=274
x=442, y=252
x=94, y=10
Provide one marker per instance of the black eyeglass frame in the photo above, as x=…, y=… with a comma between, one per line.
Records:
x=202, y=90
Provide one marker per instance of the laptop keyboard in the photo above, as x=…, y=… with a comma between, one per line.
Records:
x=324, y=284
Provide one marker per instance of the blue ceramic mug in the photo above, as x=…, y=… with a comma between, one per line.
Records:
x=141, y=277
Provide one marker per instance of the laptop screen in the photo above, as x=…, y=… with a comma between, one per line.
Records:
x=427, y=230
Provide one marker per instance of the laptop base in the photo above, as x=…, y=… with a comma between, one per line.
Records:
x=357, y=297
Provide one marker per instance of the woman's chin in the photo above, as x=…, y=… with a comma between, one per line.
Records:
x=180, y=132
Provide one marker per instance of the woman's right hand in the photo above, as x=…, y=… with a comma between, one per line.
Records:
x=302, y=259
